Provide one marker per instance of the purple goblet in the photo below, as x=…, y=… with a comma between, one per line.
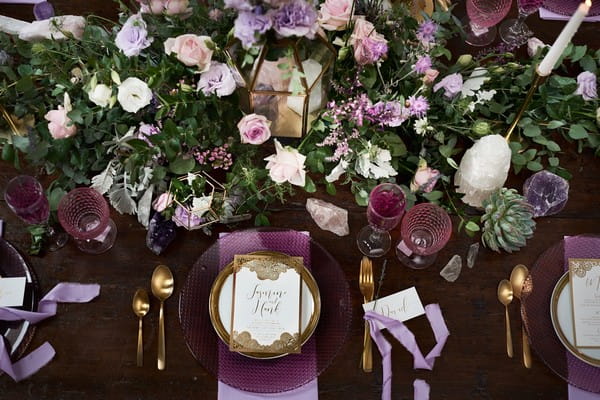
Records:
x=484, y=15
x=385, y=210
x=84, y=214
x=26, y=198
x=425, y=230
x=514, y=31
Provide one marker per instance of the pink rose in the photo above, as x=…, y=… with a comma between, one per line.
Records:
x=430, y=76
x=59, y=125
x=192, y=50
x=286, y=165
x=362, y=30
x=335, y=14
x=425, y=178
x=152, y=6
x=162, y=202
x=254, y=129
x=176, y=7
x=369, y=45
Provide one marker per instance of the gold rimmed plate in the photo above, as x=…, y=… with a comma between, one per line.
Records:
x=561, y=312
x=220, y=305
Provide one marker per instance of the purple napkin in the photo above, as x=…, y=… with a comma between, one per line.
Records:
x=588, y=247
x=397, y=329
x=228, y=367
x=61, y=293
x=552, y=16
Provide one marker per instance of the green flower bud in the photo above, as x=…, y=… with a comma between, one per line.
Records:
x=480, y=128
x=464, y=60
x=498, y=70
x=37, y=48
x=343, y=53
x=512, y=65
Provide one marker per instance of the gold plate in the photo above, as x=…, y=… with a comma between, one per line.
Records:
x=558, y=289
x=213, y=305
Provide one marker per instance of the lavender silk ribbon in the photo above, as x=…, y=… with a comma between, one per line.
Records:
x=20, y=1
x=397, y=329
x=61, y=293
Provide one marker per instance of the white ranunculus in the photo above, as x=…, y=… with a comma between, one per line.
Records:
x=337, y=171
x=100, y=95
x=374, y=163
x=134, y=94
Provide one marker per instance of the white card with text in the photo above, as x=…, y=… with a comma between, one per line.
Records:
x=12, y=291
x=401, y=306
x=585, y=292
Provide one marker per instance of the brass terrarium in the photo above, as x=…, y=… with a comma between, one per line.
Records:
x=287, y=81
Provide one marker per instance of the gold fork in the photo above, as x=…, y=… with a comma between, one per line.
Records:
x=367, y=289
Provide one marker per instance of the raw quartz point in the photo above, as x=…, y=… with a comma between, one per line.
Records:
x=472, y=254
x=160, y=234
x=451, y=271
x=328, y=217
x=548, y=193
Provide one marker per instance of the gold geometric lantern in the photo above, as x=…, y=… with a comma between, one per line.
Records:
x=287, y=81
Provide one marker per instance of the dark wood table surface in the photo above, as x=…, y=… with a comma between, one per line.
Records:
x=96, y=343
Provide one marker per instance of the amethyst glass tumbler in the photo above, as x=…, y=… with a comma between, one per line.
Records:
x=385, y=210
x=425, y=230
x=84, y=214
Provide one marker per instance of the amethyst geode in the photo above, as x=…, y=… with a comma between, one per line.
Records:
x=546, y=192
x=161, y=233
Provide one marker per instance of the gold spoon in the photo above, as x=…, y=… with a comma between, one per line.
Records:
x=162, y=288
x=141, y=305
x=505, y=296
x=517, y=279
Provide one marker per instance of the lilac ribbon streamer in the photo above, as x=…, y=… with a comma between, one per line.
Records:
x=20, y=1
x=61, y=293
x=397, y=329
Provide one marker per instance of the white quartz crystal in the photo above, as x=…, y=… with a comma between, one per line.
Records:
x=483, y=169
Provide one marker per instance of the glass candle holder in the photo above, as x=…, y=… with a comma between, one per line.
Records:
x=384, y=212
x=425, y=230
x=84, y=214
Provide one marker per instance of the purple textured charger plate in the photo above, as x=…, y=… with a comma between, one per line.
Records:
x=568, y=7
x=535, y=311
x=17, y=334
x=266, y=376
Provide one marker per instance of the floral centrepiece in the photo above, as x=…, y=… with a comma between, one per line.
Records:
x=132, y=108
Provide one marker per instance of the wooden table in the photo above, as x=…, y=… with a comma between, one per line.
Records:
x=95, y=343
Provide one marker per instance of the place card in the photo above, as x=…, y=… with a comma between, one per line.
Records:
x=584, y=275
x=12, y=291
x=266, y=304
x=402, y=306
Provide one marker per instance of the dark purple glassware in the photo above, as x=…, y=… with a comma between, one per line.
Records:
x=25, y=197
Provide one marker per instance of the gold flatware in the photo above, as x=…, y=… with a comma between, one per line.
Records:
x=517, y=279
x=162, y=288
x=367, y=289
x=505, y=296
x=141, y=305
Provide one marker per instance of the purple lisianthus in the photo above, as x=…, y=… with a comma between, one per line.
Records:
x=418, y=106
x=452, y=85
x=422, y=64
x=183, y=217
x=133, y=36
x=249, y=24
x=296, y=18
x=239, y=5
x=147, y=130
x=426, y=31
x=373, y=49
x=217, y=80
x=388, y=113
x=586, y=88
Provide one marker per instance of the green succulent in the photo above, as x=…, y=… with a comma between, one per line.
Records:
x=507, y=222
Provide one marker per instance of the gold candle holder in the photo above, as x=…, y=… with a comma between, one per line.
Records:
x=537, y=81
x=9, y=120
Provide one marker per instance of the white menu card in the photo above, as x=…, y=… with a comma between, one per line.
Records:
x=266, y=304
x=585, y=295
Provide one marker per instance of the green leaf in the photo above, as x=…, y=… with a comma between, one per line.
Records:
x=451, y=163
x=369, y=76
x=395, y=145
x=362, y=198
x=55, y=196
x=552, y=146
x=553, y=161
x=261, y=220
x=532, y=130
x=534, y=166
x=472, y=226
x=434, y=196
x=577, y=132
x=182, y=165
x=518, y=159
x=330, y=187
x=589, y=64
x=309, y=185
x=555, y=124
x=579, y=52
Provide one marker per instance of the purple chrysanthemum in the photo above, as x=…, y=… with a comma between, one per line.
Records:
x=418, y=106
x=426, y=32
x=422, y=64
x=296, y=18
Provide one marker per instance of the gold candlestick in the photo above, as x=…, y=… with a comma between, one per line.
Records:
x=534, y=85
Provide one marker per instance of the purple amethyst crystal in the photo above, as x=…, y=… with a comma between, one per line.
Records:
x=161, y=233
x=43, y=10
x=546, y=192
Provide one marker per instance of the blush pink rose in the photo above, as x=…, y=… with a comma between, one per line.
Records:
x=59, y=124
x=369, y=45
x=254, y=129
x=335, y=14
x=191, y=50
x=425, y=178
x=430, y=76
x=177, y=7
x=362, y=30
x=152, y=6
x=286, y=165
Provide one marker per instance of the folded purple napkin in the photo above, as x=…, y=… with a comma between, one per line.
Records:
x=580, y=247
x=552, y=16
x=61, y=293
x=397, y=329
